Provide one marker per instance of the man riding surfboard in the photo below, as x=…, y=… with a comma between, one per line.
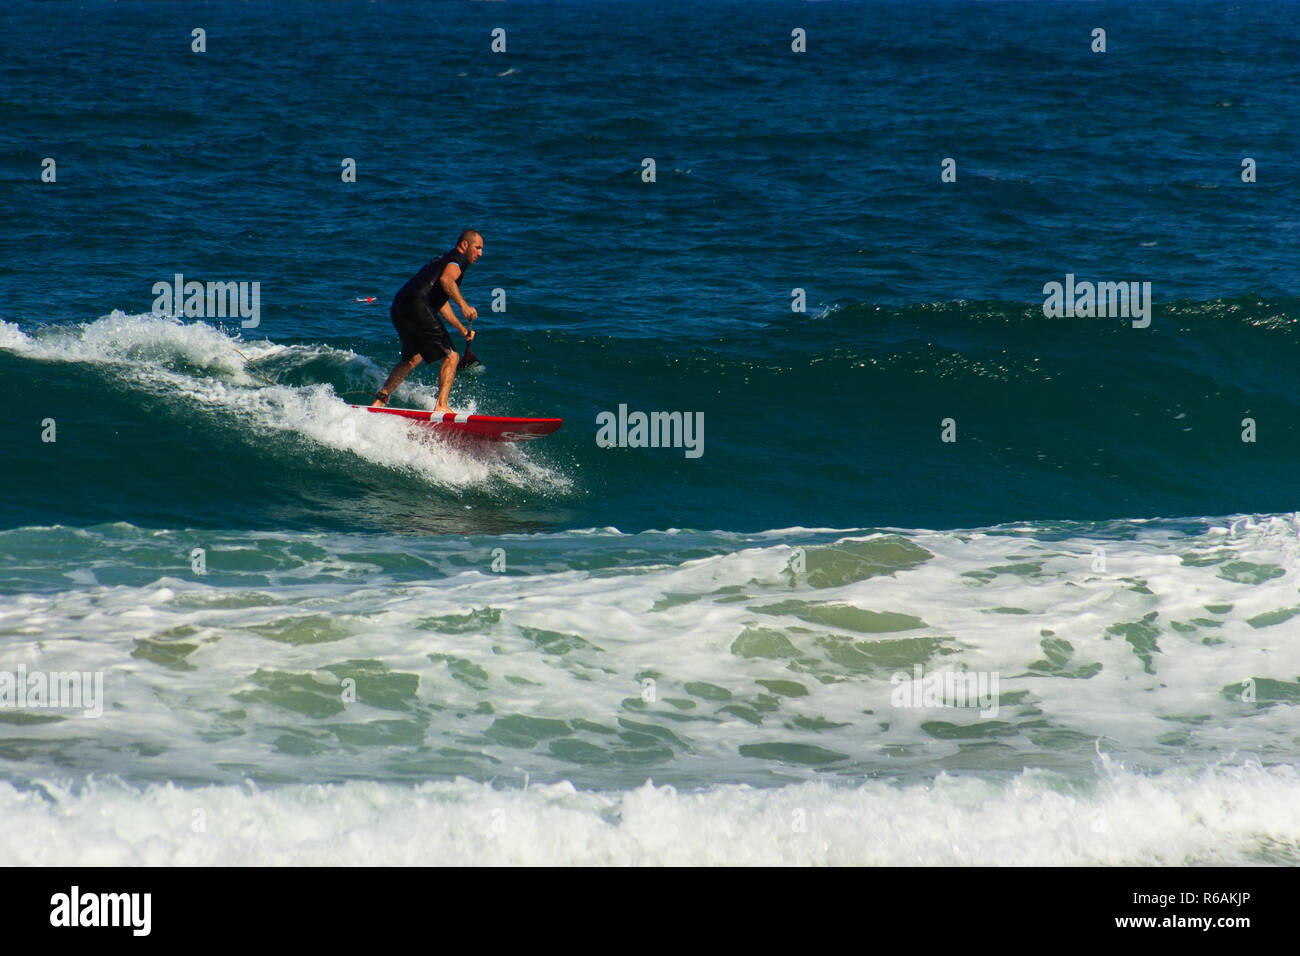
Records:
x=415, y=311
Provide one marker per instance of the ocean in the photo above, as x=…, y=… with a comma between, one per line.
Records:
x=940, y=575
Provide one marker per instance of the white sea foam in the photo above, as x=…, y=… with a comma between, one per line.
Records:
x=1122, y=644
x=1221, y=816
x=719, y=668
x=12, y=337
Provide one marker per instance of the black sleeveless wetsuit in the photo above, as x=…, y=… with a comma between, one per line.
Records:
x=415, y=310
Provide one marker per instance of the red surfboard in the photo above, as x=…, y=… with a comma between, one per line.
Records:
x=486, y=427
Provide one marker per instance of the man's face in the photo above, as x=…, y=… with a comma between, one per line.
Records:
x=473, y=249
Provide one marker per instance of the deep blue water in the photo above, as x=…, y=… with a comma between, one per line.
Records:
x=776, y=170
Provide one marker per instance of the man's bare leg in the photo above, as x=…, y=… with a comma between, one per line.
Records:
x=445, y=377
x=402, y=370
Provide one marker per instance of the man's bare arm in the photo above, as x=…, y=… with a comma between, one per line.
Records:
x=447, y=313
x=448, y=282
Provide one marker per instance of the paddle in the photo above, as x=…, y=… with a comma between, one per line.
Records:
x=469, y=359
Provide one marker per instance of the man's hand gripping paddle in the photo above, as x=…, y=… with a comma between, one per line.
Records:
x=469, y=359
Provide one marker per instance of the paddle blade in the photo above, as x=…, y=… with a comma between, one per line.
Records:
x=469, y=359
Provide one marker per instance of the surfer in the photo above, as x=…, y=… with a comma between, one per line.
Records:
x=415, y=312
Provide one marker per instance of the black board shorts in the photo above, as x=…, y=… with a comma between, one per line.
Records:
x=422, y=334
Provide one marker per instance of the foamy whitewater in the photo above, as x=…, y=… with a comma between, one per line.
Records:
x=294, y=702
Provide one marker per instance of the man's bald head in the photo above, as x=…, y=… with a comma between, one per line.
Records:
x=470, y=244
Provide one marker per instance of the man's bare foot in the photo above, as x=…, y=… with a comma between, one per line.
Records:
x=444, y=408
